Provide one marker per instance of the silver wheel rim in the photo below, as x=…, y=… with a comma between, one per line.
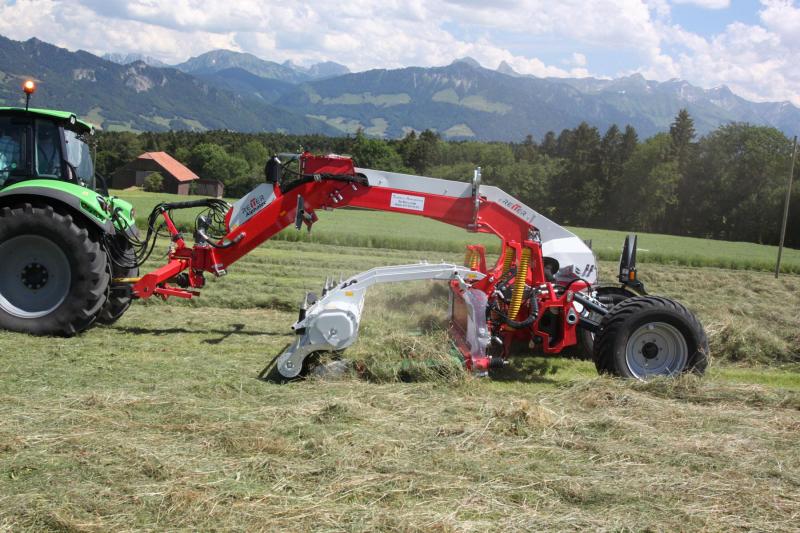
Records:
x=35, y=276
x=656, y=349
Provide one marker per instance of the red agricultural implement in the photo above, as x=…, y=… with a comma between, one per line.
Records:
x=70, y=256
x=542, y=291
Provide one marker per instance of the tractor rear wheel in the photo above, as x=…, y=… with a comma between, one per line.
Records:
x=53, y=273
x=119, y=295
x=649, y=336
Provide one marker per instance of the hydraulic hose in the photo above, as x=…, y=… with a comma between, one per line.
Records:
x=590, y=304
x=523, y=323
x=305, y=178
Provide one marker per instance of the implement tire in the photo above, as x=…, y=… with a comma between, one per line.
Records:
x=54, y=272
x=608, y=296
x=649, y=336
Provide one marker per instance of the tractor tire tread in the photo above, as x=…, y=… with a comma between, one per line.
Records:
x=611, y=296
x=118, y=302
x=90, y=279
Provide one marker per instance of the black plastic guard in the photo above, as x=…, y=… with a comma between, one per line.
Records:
x=627, y=265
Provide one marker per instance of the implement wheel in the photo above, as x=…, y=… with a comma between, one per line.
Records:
x=53, y=272
x=608, y=296
x=648, y=336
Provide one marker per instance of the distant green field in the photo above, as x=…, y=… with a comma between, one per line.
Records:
x=353, y=227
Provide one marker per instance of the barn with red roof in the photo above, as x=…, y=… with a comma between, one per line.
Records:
x=178, y=179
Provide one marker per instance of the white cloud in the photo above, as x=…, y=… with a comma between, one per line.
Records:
x=782, y=18
x=75, y=26
x=360, y=33
x=659, y=7
x=754, y=59
x=578, y=59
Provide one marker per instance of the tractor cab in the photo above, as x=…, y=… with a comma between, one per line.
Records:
x=44, y=144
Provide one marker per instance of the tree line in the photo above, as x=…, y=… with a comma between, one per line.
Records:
x=728, y=184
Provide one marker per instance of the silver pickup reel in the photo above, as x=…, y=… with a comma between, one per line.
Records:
x=331, y=323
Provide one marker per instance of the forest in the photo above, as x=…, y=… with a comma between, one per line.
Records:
x=729, y=184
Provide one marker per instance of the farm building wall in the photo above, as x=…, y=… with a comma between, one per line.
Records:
x=213, y=188
x=177, y=178
x=122, y=179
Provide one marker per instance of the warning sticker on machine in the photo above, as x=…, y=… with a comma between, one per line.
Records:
x=406, y=201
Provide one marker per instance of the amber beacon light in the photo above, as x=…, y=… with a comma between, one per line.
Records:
x=29, y=87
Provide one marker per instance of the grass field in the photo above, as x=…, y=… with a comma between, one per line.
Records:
x=158, y=423
x=352, y=227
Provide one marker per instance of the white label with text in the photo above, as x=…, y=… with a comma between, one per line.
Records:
x=406, y=201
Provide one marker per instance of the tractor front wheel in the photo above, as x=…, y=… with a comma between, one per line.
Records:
x=649, y=336
x=53, y=271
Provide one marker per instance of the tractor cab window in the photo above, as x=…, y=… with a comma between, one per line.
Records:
x=48, y=150
x=12, y=148
x=79, y=157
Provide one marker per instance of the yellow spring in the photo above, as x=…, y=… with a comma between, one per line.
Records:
x=475, y=261
x=509, y=258
x=519, y=284
x=468, y=257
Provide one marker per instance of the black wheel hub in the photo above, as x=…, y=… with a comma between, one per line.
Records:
x=650, y=350
x=34, y=276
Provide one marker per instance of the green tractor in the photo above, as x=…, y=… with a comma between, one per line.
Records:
x=65, y=243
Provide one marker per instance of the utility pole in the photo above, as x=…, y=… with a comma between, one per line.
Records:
x=786, y=208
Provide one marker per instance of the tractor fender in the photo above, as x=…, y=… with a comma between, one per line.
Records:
x=56, y=197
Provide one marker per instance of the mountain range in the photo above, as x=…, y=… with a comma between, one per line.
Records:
x=126, y=59
x=223, y=89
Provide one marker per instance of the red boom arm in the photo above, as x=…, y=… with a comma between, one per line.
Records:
x=326, y=183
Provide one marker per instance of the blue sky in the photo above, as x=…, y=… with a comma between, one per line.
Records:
x=707, y=22
x=746, y=44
